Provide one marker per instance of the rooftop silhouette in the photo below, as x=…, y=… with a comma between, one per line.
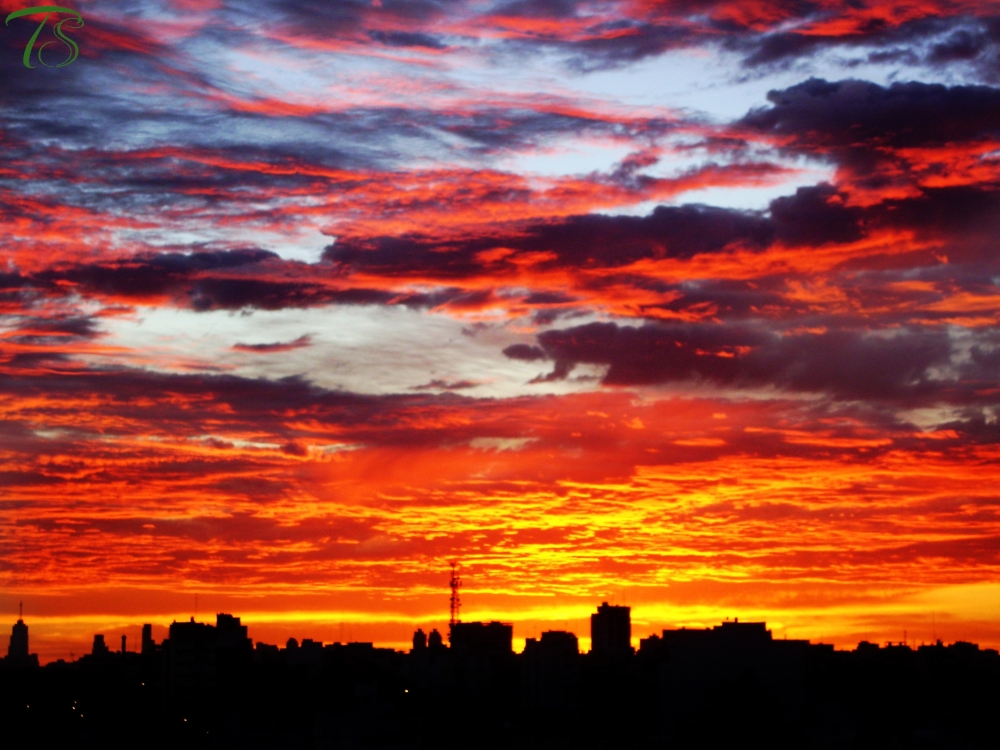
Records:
x=209, y=685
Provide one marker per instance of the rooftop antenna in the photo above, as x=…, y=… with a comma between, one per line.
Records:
x=20, y=611
x=456, y=603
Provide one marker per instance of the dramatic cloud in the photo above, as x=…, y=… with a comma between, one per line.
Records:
x=897, y=365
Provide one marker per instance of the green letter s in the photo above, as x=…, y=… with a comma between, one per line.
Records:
x=74, y=49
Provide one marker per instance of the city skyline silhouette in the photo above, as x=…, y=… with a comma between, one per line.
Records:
x=211, y=685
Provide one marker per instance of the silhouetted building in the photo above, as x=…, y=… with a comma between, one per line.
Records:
x=267, y=653
x=550, y=676
x=233, y=652
x=231, y=636
x=484, y=671
x=419, y=640
x=729, y=638
x=611, y=631
x=17, y=649
x=310, y=652
x=191, y=672
x=435, y=641
x=148, y=644
x=559, y=642
x=100, y=648
x=482, y=638
x=738, y=660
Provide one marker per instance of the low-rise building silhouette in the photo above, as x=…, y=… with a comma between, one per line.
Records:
x=482, y=637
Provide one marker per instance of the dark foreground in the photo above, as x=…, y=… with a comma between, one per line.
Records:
x=728, y=686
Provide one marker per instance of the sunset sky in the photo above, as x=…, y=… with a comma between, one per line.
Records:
x=686, y=305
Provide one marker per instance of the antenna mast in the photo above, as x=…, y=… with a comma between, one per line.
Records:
x=20, y=610
x=456, y=602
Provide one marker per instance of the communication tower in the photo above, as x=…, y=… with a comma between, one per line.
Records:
x=456, y=602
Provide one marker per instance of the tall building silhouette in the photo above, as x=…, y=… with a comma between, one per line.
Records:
x=190, y=673
x=611, y=631
x=419, y=640
x=148, y=644
x=435, y=641
x=18, y=648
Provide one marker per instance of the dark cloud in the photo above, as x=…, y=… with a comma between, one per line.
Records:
x=859, y=124
x=525, y=352
x=622, y=36
x=28, y=479
x=618, y=43
x=976, y=427
x=493, y=131
x=265, y=405
x=815, y=216
x=299, y=343
x=406, y=39
x=294, y=449
x=447, y=385
x=228, y=280
x=935, y=39
x=290, y=415
x=591, y=241
x=320, y=17
x=539, y=8
x=152, y=275
x=780, y=47
x=928, y=142
x=35, y=330
x=261, y=294
x=960, y=45
x=811, y=216
x=848, y=364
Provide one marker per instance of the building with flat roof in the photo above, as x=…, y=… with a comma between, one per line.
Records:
x=611, y=631
x=483, y=637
